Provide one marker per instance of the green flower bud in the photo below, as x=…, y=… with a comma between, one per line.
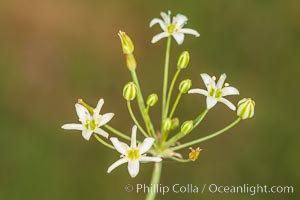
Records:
x=246, y=108
x=187, y=126
x=127, y=44
x=129, y=91
x=185, y=85
x=152, y=99
x=175, y=123
x=183, y=60
x=167, y=124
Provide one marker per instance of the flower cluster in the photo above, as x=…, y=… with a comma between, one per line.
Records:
x=159, y=142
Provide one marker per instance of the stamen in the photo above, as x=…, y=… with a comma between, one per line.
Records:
x=226, y=84
x=214, y=78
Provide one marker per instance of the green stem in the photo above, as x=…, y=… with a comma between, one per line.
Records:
x=103, y=142
x=207, y=137
x=170, y=91
x=180, y=159
x=149, y=125
x=175, y=105
x=117, y=132
x=200, y=117
x=165, y=82
x=135, y=120
x=154, y=180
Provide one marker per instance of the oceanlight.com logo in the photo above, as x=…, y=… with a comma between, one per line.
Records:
x=209, y=188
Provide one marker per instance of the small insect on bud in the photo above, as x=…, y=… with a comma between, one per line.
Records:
x=183, y=60
x=187, y=126
x=175, y=123
x=167, y=124
x=194, y=154
x=152, y=99
x=129, y=91
x=246, y=108
x=185, y=85
x=127, y=44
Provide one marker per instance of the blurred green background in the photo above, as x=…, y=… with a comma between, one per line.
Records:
x=54, y=52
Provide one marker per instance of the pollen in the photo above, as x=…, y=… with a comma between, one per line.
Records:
x=226, y=84
x=214, y=78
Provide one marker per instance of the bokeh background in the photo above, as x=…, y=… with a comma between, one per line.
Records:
x=54, y=52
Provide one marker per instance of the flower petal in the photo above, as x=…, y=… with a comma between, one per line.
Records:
x=150, y=159
x=117, y=164
x=82, y=112
x=189, y=31
x=99, y=131
x=179, y=20
x=105, y=118
x=179, y=37
x=72, y=127
x=208, y=81
x=133, y=137
x=146, y=145
x=133, y=167
x=210, y=102
x=166, y=17
x=121, y=147
x=86, y=134
x=227, y=103
x=158, y=21
x=221, y=81
x=98, y=108
x=229, y=91
x=198, y=91
x=159, y=36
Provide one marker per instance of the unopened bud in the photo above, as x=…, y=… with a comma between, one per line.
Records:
x=127, y=44
x=185, y=85
x=246, y=108
x=130, y=61
x=167, y=124
x=187, y=126
x=129, y=91
x=183, y=60
x=152, y=99
x=175, y=123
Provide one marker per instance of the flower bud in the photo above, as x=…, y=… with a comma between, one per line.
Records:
x=175, y=123
x=185, y=85
x=127, y=44
x=129, y=91
x=167, y=124
x=152, y=99
x=186, y=127
x=194, y=154
x=183, y=60
x=245, y=108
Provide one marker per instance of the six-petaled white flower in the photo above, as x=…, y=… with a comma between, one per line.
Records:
x=215, y=91
x=133, y=154
x=174, y=27
x=90, y=122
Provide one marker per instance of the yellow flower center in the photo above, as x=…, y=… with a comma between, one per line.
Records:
x=172, y=29
x=91, y=124
x=133, y=154
x=217, y=93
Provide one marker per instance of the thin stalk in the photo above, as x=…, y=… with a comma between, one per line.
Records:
x=200, y=117
x=180, y=159
x=135, y=120
x=149, y=123
x=165, y=82
x=175, y=105
x=103, y=142
x=117, y=132
x=207, y=137
x=170, y=91
x=154, y=180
